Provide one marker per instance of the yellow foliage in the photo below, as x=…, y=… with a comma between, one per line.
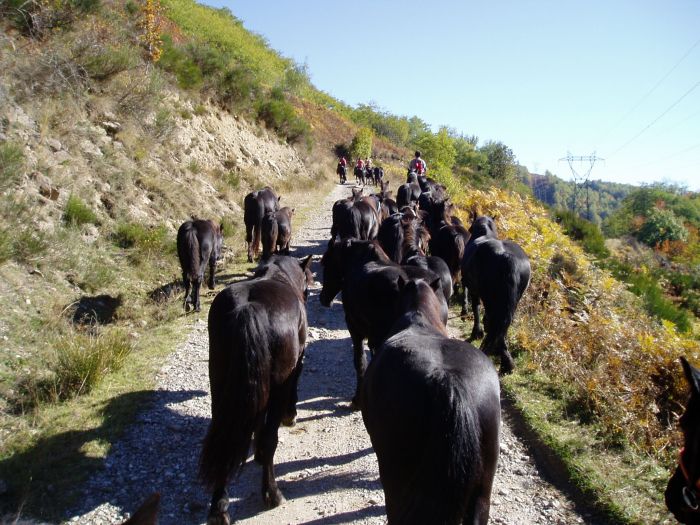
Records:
x=582, y=329
x=152, y=24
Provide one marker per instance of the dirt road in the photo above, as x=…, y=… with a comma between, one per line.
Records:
x=325, y=464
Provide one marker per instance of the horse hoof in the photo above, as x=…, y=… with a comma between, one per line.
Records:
x=507, y=367
x=274, y=499
x=218, y=515
x=354, y=405
x=219, y=519
x=289, y=421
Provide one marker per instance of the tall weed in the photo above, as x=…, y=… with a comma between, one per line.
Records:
x=11, y=164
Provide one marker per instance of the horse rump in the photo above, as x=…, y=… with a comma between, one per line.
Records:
x=434, y=425
x=239, y=375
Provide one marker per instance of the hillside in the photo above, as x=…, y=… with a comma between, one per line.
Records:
x=104, y=151
x=603, y=198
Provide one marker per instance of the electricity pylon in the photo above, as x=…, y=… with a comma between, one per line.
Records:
x=581, y=178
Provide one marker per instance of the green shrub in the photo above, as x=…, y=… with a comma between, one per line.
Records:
x=27, y=244
x=279, y=115
x=583, y=231
x=5, y=246
x=101, y=62
x=237, y=89
x=79, y=362
x=233, y=179
x=177, y=62
x=11, y=164
x=662, y=225
x=646, y=286
x=77, y=212
x=84, y=360
x=143, y=241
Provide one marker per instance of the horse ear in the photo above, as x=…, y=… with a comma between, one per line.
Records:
x=306, y=263
x=436, y=285
x=692, y=375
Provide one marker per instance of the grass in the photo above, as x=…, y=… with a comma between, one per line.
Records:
x=625, y=485
x=11, y=164
x=77, y=213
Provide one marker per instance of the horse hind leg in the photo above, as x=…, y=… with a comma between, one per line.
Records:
x=218, y=512
x=212, y=269
x=360, y=362
x=267, y=445
x=186, y=283
x=196, y=285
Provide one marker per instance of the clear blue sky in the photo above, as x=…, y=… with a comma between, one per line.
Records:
x=543, y=77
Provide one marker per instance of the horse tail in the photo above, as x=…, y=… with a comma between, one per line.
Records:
x=188, y=251
x=240, y=395
x=356, y=223
x=451, y=460
x=270, y=232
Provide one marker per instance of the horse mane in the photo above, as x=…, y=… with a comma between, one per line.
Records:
x=415, y=237
x=420, y=305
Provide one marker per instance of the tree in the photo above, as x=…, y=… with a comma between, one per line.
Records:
x=361, y=145
x=438, y=150
x=501, y=161
x=662, y=225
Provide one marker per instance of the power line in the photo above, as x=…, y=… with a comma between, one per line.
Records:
x=635, y=137
x=648, y=93
x=667, y=157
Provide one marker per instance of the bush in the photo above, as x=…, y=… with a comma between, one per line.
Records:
x=361, y=145
x=646, y=286
x=37, y=18
x=237, y=89
x=79, y=363
x=5, y=246
x=177, y=62
x=77, y=212
x=583, y=231
x=144, y=241
x=279, y=115
x=27, y=244
x=103, y=61
x=84, y=360
x=661, y=225
x=11, y=164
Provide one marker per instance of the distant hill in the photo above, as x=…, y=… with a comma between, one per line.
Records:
x=603, y=197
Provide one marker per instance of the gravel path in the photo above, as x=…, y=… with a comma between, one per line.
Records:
x=325, y=464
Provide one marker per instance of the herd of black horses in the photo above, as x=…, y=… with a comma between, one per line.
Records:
x=430, y=403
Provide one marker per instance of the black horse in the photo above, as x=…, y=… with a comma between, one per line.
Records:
x=257, y=332
x=199, y=243
x=359, y=175
x=355, y=217
x=277, y=232
x=342, y=172
x=368, y=280
x=683, y=490
x=407, y=193
x=378, y=175
x=497, y=273
x=255, y=205
x=447, y=239
x=431, y=406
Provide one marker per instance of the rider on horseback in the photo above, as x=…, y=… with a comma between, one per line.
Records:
x=418, y=165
